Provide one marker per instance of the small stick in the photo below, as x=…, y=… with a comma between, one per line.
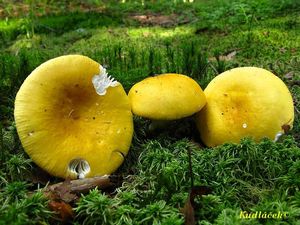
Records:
x=85, y=184
x=69, y=190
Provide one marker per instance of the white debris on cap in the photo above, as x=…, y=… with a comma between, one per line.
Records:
x=102, y=81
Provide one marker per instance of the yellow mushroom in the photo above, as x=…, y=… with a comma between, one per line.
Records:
x=246, y=101
x=166, y=97
x=73, y=119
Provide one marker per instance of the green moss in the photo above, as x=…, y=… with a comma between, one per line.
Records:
x=30, y=210
x=247, y=175
x=14, y=191
x=96, y=207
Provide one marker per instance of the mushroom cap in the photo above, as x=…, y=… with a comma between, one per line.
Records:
x=166, y=97
x=245, y=102
x=65, y=126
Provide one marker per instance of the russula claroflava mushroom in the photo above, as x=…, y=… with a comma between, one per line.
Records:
x=245, y=102
x=73, y=119
x=166, y=97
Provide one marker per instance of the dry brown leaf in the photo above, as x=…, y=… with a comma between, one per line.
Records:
x=289, y=75
x=161, y=20
x=189, y=213
x=266, y=33
x=146, y=34
x=282, y=50
x=64, y=210
x=293, y=50
x=189, y=207
x=63, y=193
x=230, y=56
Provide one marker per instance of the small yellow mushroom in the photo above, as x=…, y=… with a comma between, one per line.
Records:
x=245, y=102
x=166, y=97
x=72, y=119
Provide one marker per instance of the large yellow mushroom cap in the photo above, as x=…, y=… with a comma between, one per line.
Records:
x=166, y=97
x=246, y=101
x=65, y=126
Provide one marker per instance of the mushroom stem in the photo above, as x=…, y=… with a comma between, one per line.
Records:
x=159, y=124
x=79, y=168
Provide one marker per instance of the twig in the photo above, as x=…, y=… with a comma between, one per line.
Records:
x=69, y=190
x=86, y=184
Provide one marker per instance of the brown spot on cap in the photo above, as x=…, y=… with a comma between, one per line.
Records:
x=286, y=128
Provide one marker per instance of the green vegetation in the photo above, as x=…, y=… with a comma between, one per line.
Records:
x=200, y=39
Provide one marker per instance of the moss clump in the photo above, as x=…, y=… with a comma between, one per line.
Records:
x=243, y=176
x=97, y=207
x=30, y=210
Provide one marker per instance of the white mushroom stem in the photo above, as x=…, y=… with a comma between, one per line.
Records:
x=79, y=167
x=102, y=81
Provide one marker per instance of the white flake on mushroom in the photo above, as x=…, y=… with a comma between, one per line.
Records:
x=102, y=81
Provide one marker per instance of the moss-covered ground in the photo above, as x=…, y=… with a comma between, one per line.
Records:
x=134, y=40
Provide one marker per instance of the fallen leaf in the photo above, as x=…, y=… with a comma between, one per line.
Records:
x=146, y=34
x=189, y=207
x=230, y=56
x=64, y=210
x=189, y=213
x=282, y=50
x=289, y=75
x=293, y=50
x=266, y=33
x=161, y=20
